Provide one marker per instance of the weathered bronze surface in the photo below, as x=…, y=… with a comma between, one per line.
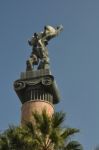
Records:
x=39, y=42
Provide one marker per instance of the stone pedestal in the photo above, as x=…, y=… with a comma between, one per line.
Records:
x=37, y=90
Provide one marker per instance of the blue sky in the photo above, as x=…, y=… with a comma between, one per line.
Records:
x=74, y=59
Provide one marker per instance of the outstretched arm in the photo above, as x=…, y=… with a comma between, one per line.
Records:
x=51, y=32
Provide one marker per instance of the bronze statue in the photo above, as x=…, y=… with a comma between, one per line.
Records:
x=39, y=42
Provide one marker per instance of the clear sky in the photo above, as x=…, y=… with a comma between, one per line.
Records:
x=74, y=59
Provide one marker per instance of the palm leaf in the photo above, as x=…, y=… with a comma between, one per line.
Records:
x=45, y=133
x=3, y=143
x=43, y=122
x=57, y=119
x=69, y=132
x=37, y=117
x=31, y=129
x=73, y=145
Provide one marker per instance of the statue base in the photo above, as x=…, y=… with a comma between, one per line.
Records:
x=37, y=85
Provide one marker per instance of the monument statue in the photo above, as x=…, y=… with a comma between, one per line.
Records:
x=36, y=87
x=39, y=42
x=37, y=84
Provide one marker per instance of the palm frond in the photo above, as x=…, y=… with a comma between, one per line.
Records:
x=57, y=119
x=37, y=117
x=56, y=138
x=31, y=129
x=3, y=143
x=43, y=122
x=45, y=133
x=73, y=145
x=69, y=132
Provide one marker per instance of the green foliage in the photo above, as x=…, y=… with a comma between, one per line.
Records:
x=57, y=119
x=46, y=133
x=73, y=145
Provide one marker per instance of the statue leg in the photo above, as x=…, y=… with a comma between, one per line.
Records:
x=31, y=62
x=44, y=63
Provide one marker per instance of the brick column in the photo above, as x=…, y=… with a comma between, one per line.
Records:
x=31, y=106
